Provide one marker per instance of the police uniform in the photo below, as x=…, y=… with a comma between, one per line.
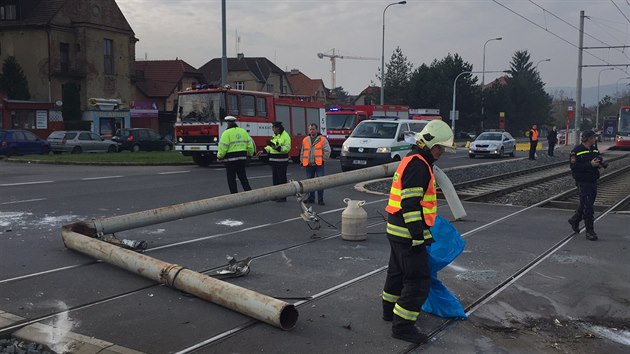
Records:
x=235, y=146
x=586, y=177
x=411, y=211
x=278, y=150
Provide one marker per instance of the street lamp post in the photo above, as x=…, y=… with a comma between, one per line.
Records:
x=455, y=92
x=483, y=76
x=597, y=114
x=540, y=61
x=383, y=52
x=617, y=89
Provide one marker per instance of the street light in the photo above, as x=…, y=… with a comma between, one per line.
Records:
x=383, y=52
x=483, y=76
x=540, y=61
x=623, y=78
x=455, y=92
x=597, y=115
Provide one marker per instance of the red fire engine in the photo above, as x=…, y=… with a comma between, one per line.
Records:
x=340, y=121
x=201, y=113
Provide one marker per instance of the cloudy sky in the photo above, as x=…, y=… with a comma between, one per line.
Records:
x=292, y=32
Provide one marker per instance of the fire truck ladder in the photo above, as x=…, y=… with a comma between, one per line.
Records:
x=333, y=57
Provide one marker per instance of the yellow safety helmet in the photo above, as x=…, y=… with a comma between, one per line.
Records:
x=437, y=132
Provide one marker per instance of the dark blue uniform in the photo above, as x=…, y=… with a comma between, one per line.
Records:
x=586, y=176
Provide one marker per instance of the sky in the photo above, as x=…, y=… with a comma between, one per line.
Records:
x=291, y=33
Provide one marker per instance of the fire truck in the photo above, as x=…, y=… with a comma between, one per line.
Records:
x=341, y=120
x=202, y=111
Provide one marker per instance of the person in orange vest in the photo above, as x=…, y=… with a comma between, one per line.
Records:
x=533, y=142
x=315, y=151
x=412, y=209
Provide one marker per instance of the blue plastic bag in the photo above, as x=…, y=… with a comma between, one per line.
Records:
x=447, y=245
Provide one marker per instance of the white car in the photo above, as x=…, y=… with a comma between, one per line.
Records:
x=493, y=143
x=76, y=142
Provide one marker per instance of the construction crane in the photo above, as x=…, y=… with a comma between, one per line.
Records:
x=333, y=57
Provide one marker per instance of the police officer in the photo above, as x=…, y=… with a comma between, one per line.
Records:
x=412, y=209
x=585, y=162
x=235, y=146
x=278, y=149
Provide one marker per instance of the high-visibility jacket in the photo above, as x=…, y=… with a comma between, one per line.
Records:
x=235, y=144
x=533, y=135
x=316, y=152
x=279, y=147
x=428, y=201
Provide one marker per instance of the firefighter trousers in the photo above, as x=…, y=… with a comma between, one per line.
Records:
x=408, y=277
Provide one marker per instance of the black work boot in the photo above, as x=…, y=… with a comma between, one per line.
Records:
x=591, y=235
x=388, y=311
x=407, y=331
x=575, y=224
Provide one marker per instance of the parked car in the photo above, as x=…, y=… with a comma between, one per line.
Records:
x=493, y=143
x=21, y=142
x=142, y=139
x=76, y=142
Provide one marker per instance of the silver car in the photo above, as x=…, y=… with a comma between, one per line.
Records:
x=79, y=141
x=493, y=143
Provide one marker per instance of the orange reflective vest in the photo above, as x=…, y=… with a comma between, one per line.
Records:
x=533, y=134
x=318, y=150
x=429, y=198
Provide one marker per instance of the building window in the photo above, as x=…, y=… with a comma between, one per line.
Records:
x=239, y=85
x=7, y=12
x=270, y=88
x=64, y=57
x=108, y=57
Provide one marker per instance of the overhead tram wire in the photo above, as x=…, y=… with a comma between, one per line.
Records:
x=577, y=29
x=554, y=34
x=621, y=12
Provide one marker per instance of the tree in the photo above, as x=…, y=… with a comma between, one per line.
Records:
x=13, y=81
x=432, y=87
x=397, y=78
x=529, y=103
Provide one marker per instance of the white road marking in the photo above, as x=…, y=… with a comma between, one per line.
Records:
x=23, y=183
x=104, y=177
x=172, y=173
x=23, y=201
x=256, y=177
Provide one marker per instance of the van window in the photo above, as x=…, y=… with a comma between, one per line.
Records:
x=372, y=129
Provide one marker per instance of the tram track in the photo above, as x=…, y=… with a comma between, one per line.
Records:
x=470, y=308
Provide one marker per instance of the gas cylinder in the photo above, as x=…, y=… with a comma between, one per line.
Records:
x=354, y=221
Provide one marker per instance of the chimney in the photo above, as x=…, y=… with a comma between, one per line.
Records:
x=240, y=56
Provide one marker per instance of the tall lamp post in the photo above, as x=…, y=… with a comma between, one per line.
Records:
x=383, y=52
x=483, y=76
x=540, y=61
x=455, y=92
x=623, y=78
x=597, y=114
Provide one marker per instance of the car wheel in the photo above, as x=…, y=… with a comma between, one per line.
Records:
x=57, y=152
x=112, y=148
x=76, y=150
x=472, y=156
x=168, y=147
x=135, y=148
x=345, y=169
x=513, y=153
x=501, y=153
x=396, y=158
x=45, y=150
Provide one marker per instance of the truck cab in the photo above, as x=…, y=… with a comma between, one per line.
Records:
x=339, y=125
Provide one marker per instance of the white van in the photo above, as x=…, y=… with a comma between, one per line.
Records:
x=378, y=141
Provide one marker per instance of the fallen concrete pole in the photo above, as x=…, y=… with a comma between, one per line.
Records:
x=110, y=225
x=261, y=307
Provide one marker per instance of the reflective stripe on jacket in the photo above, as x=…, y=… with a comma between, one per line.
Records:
x=397, y=194
x=314, y=154
x=283, y=142
x=235, y=144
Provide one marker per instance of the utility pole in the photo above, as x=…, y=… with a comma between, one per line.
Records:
x=578, y=89
x=224, y=71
